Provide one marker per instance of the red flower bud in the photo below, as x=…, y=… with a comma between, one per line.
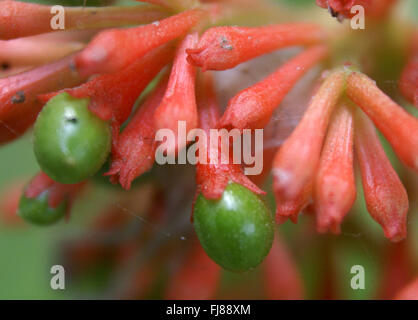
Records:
x=134, y=153
x=253, y=107
x=223, y=48
x=386, y=197
x=213, y=177
x=105, y=54
x=335, y=188
x=296, y=161
x=399, y=127
x=290, y=208
x=179, y=102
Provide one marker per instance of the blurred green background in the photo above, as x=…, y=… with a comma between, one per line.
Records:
x=27, y=253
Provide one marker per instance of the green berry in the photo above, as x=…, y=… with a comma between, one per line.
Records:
x=70, y=142
x=37, y=211
x=237, y=230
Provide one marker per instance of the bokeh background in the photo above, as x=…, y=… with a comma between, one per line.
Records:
x=28, y=252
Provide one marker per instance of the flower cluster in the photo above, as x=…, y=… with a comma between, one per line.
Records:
x=87, y=86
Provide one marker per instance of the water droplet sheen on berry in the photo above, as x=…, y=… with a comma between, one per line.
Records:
x=71, y=143
x=237, y=230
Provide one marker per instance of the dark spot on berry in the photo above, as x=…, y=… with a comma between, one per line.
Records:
x=19, y=97
x=72, y=120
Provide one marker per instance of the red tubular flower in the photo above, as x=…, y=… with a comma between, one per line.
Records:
x=335, y=188
x=223, y=48
x=253, y=107
x=410, y=292
x=104, y=53
x=408, y=83
x=296, y=161
x=42, y=50
x=20, y=19
x=179, y=102
x=386, y=197
x=281, y=278
x=290, y=208
x=399, y=127
x=134, y=153
x=212, y=178
x=58, y=192
x=18, y=104
x=197, y=278
x=112, y=96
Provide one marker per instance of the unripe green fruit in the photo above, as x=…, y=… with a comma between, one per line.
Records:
x=70, y=142
x=37, y=211
x=237, y=230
